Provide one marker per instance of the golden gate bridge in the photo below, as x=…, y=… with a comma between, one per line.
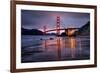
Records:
x=69, y=31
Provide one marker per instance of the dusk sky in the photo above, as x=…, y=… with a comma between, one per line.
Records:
x=32, y=19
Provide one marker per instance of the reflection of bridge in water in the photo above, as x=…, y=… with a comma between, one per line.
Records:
x=58, y=29
x=61, y=44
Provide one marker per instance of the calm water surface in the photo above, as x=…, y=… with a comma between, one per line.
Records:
x=53, y=48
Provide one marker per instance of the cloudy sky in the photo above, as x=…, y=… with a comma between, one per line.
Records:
x=31, y=19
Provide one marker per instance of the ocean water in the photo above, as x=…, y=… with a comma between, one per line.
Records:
x=53, y=48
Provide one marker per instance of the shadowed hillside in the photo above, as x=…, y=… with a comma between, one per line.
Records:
x=84, y=30
x=31, y=32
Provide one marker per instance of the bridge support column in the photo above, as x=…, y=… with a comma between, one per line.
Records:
x=70, y=31
x=44, y=27
x=58, y=25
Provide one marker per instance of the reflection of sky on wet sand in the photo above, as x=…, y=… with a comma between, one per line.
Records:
x=58, y=49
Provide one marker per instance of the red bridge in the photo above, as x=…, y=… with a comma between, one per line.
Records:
x=68, y=31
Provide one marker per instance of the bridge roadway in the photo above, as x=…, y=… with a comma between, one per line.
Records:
x=61, y=29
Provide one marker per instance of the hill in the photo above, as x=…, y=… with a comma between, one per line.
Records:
x=84, y=30
x=31, y=32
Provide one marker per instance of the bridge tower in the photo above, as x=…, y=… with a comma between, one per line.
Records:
x=58, y=25
x=44, y=29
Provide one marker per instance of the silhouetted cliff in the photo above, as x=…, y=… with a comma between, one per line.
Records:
x=84, y=30
x=31, y=32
